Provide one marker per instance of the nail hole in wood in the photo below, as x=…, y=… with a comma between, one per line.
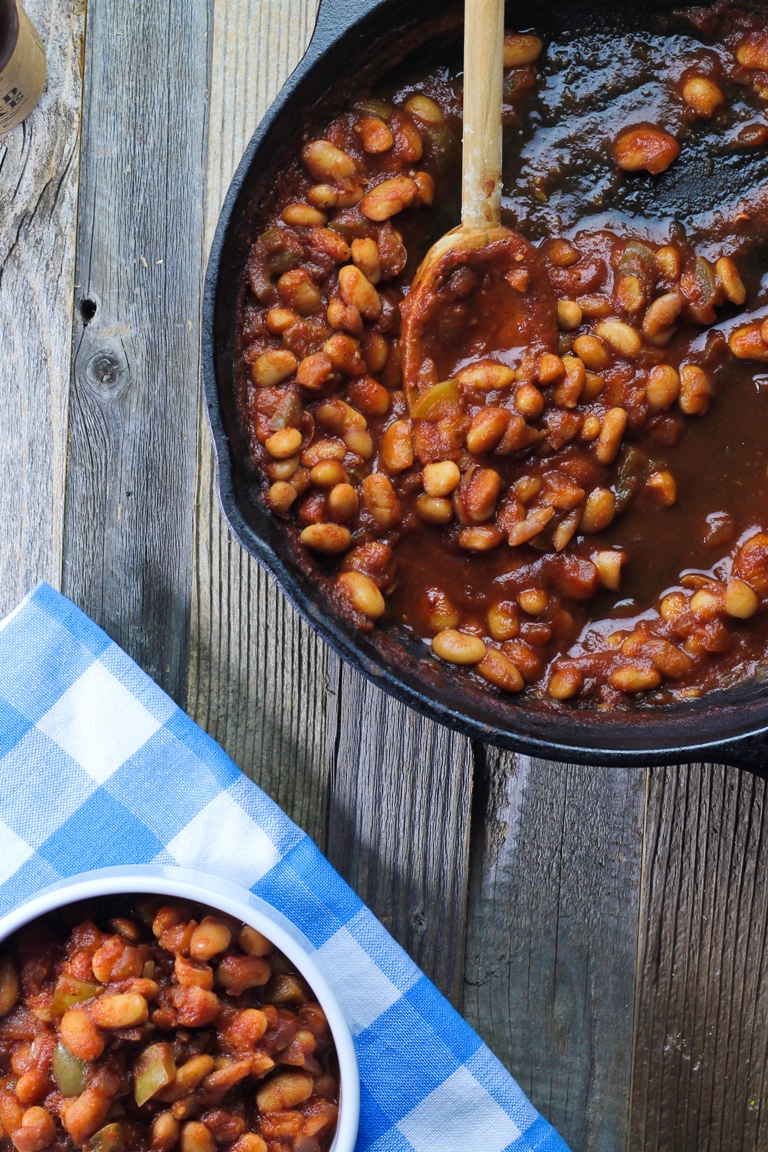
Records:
x=87, y=309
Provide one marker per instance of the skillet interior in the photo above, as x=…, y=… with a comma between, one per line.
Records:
x=396, y=661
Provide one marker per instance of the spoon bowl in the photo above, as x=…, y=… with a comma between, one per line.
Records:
x=481, y=296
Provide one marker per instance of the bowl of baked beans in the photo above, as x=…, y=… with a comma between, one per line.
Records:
x=167, y=1011
x=560, y=546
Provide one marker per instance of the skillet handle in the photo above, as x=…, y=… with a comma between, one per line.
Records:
x=335, y=17
x=750, y=753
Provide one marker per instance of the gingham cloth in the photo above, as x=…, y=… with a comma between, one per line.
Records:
x=98, y=767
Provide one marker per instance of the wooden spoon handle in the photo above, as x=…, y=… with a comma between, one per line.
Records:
x=483, y=79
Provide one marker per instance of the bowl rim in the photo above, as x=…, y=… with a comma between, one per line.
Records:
x=202, y=887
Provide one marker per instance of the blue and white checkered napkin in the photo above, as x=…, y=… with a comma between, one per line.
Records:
x=98, y=767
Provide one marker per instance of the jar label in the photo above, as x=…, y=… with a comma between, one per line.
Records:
x=23, y=78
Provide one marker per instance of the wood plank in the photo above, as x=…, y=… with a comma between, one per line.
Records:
x=38, y=209
x=133, y=422
x=399, y=820
x=257, y=673
x=552, y=936
x=701, y=1049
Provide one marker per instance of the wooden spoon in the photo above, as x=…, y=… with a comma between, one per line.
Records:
x=481, y=294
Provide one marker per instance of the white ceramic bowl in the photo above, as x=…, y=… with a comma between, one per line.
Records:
x=205, y=889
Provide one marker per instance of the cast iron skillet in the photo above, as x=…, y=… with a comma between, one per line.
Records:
x=729, y=726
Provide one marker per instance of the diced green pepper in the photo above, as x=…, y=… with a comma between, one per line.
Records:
x=154, y=1069
x=107, y=1139
x=631, y=471
x=372, y=106
x=70, y=990
x=705, y=280
x=350, y=229
x=442, y=146
x=69, y=1071
x=283, y=989
x=437, y=401
x=638, y=260
x=344, y=230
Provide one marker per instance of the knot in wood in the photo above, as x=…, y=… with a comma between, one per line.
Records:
x=107, y=373
x=418, y=920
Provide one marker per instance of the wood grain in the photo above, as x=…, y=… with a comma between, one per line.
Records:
x=483, y=77
x=701, y=1047
x=399, y=819
x=133, y=424
x=257, y=673
x=38, y=208
x=552, y=936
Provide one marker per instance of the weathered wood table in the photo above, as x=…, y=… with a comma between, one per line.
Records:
x=603, y=930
